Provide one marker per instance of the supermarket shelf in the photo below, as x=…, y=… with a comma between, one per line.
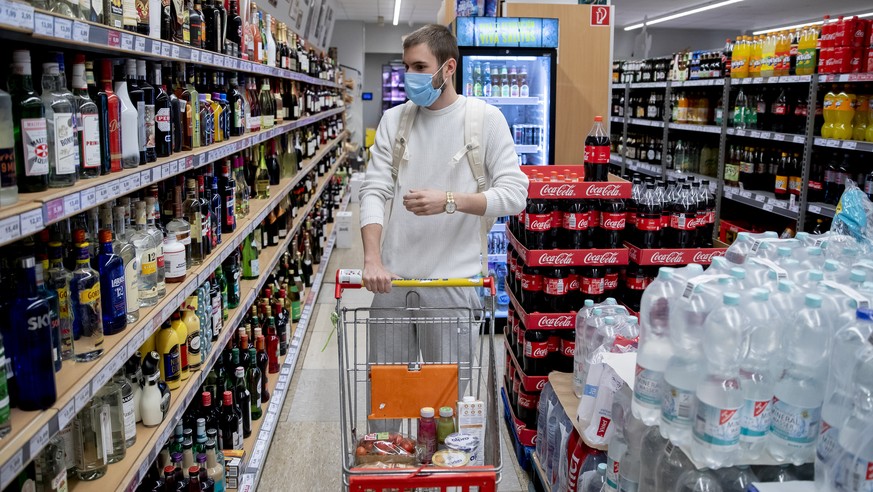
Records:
x=823, y=209
x=511, y=101
x=844, y=144
x=51, y=28
x=713, y=182
x=774, y=136
x=847, y=77
x=642, y=122
x=763, y=200
x=640, y=167
x=526, y=149
x=619, y=86
x=57, y=204
x=77, y=382
x=785, y=79
x=126, y=474
x=616, y=119
x=696, y=128
x=698, y=83
x=647, y=85
x=258, y=444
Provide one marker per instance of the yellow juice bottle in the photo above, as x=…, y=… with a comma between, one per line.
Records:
x=827, y=129
x=844, y=113
x=167, y=345
x=739, y=60
x=182, y=334
x=768, y=55
x=862, y=117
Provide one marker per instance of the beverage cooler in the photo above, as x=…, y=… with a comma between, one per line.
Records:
x=511, y=63
x=393, y=90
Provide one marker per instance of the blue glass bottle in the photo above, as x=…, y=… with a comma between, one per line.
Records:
x=30, y=347
x=113, y=296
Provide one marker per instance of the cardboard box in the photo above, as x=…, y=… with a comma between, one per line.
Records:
x=234, y=465
x=343, y=230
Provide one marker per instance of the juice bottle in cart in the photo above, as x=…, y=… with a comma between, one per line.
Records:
x=844, y=113
x=827, y=129
x=862, y=117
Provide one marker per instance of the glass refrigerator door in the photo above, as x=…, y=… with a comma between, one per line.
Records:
x=520, y=86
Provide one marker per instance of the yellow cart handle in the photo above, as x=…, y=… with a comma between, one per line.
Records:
x=354, y=279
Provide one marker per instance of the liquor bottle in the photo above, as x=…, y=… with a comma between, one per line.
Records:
x=147, y=252
x=294, y=295
x=195, y=21
x=87, y=310
x=192, y=110
x=271, y=345
x=124, y=248
x=110, y=395
x=5, y=425
x=272, y=164
x=177, y=121
x=162, y=130
x=244, y=400
x=167, y=344
x=253, y=375
x=231, y=425
x=132, y=371
x=194, y=339
x=214, y=470
x=88, y=124
x=227, y=190
x=92, y=435
x=109, y=112
x=137, y=97
x=307, y=262
x=114, y=301
x=205, y=121
x=192, y=211
x=242, y=190
x=63, y=143
x=205, y=216
x=216, y=210
x=149, y=92
x=250, y=263
x=50, y=466
x=182, y=334
x=210, y=26
x=180, y=227
x=218, y=118
x=262, y=178
x=152, y=213
x=233, y=273
x=129, y=122
x=58, y=280
x=234, y=26
x=127, y=408
x=150, y=403
x=235, y=107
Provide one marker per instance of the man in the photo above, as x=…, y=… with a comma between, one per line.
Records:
x=427, y=220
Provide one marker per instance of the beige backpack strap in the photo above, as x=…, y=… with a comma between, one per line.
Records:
x=474, y=125
x=401, y=140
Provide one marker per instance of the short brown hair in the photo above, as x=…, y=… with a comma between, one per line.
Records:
x=439, y=39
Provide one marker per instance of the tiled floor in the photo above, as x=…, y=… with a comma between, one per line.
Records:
x=305, y=454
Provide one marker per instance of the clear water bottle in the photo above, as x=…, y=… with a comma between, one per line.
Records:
x=850, y=470
x=757, y=372
x=616, y=449
x=672, y=463
x=798, y=395
x=578, y=354
x=651, y=447
x=631, y=470
x=833, y=270
x=598, y=481
x=776, y=474
x=654, y=345
x=735, y=478
x=716, y=428
x=784, y=298
x=702, y=480
x=813, y=258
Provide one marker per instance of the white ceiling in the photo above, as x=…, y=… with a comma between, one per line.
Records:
x=417, y=11
x=748, y=15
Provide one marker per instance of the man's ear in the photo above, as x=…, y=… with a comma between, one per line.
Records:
x=451, y=67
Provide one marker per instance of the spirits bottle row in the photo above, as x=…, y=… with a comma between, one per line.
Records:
x=138, y=113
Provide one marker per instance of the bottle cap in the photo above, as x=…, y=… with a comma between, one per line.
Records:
x=857, y=276
x=598, y=118
x=738, y=273
x=194, y=470
x=609, y=320
x=50, y=69
x=814, y=251
x=446, y=412
x=731, y=299
x=760, y=294
x=813, y=300
x=427, y=412
x=816, y=275
x=666, y=273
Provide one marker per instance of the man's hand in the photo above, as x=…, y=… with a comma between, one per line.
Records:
x=376, y=278
x=425, y=202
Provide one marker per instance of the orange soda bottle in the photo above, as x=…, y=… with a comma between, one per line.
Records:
x=827, y=130
x=862, y=118
x=844, y=113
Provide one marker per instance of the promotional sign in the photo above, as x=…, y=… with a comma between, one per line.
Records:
x=508, y=32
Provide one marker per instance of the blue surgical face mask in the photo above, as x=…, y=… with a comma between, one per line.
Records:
x=420, y=89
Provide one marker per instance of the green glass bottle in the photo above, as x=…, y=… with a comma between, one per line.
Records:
x=253, y=373
x=30, y=128
x=222, y=287
x=250, y=266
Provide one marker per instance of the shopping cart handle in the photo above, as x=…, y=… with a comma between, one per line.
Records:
x=354, y=279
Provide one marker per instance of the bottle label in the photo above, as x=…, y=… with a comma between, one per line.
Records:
x=683, y=221
x=536, y=350
x=648, y=224
x=172, y=364
x=194, y=344
x=779, y=109
x=828, y=442
x=296, y=310
x=717, y=426
x=781, y=185
x=174, y=264
x=7, y=168
x=65, y=144
x=731, y=172
x=647, y=386
x=162, y=120
x=255, y=267
x=129, y=416
x=568, y=348
x=230, y=213
x=636, y=283
x=597, y=154
x=131, y=284
x=117, y=302
x=613, y=221
x=64, y=302
x=89, y=129
x=676, y=405
x=796, y=426
x=612, y=473
x=592, y=286
x=150, y=117
x=554, y=286
x=34, y=137
x=91, y=295
x=610, y=281
x=104, y=440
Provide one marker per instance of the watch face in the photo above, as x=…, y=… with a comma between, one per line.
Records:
x=450, y=207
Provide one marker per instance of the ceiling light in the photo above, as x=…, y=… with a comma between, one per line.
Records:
x=806, y=24
x=681, y=14
x=396, y=12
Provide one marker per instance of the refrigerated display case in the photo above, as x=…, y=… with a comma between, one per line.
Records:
x=512, y=64
x=393, y=90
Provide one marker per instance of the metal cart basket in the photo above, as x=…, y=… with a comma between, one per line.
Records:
x=427, y=368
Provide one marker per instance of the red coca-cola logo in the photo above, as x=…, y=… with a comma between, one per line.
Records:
x=541, y=384
x=667, y=258
x=539, y=223
x=556, y=322
x=703, y=258
x=605, y=258
x=573, y=283
x=539, y=353
x=613, y=223
x=603, y=191
x=601, y=429
x=562, y=190
x=610, y=281
x=568, y=348
x=575, y=462
x=519, y=426
x=556, y=259
x=526, y=401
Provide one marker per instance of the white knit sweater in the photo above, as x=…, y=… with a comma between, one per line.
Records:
x=442, y=245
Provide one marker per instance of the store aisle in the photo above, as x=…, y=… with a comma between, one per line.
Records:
x=305, y=452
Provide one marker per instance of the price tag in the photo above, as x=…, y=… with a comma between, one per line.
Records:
x=31, y=221
x=114, y=38
x=175, y=51
x=103, y=192
x=89, y=197
x=156, y=47
x=165, y=50
x=44, y=25
x=765, y=135
x=850, y=144
x=81, y=32
x=174, y=168
x=206, y=58
x=844, y=77
x=13, y=466
x=39, y=440
x=24, y=14
x=165, y=171
x=168, y=310
x=780, y=203
x=815, y=209
x=83, y=397
x=778, y=137
x=799, y=139
x=115, y=189
x=139, y=44
x=746, y=194
x=66, y=414
x=145, y=177
x=756, y=134
x=832, y=142
x=72, y=204
x=195, y=56
x=758, y=80
x=63, y=29
x=104, y=375
x=126, y=42
x=126, y=185
x=768, y=207
x=10, y=228
x=760, y=198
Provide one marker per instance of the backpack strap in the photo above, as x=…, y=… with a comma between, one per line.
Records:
x=401, y=140
x=473, y=137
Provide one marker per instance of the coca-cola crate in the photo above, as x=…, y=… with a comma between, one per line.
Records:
x=568, y=257
x=542, y=321
x=526, y=437
x=529, y=383
x=672, y=256
x=561, y=190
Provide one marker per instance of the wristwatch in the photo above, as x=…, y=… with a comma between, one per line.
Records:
x=451, y=206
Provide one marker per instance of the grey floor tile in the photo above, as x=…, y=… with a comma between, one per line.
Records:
x=304, y=456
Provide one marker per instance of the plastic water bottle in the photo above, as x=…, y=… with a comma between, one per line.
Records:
x=598, y=481
x=672, y=463
x=760, y=274
x=776, y=474
x=654, y=346
x=651, y=447
x=745, y=244
x=702, y=480
x=739, y=275
x=579, y=354
x=850, y=471
x=720, y=264
x=832, y=270
x=616, y=449
x=757, y=378
x=798, y=395
x=736, y=478
x=784, y=299
x=856, y=278
x=814, y=258
x=716, y=428
x=630, y=473
x=604, y=336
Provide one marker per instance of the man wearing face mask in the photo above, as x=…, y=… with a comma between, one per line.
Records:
x=443, y=167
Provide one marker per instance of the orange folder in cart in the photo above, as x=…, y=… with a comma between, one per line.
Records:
x=398, y=393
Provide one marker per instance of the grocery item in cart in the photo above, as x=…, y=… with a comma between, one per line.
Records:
x=385, y=447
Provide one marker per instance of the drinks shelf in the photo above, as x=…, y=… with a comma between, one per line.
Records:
x=77, y=382
x=526, y=149
x=616, y=119
x=647, y=85
x=672, y=256
x=541, y=321
x=698, y=83
x=823, y=209
x=774, y=136
x=563, y=258
x=653, y=170
x=51, y=28
x=764, y=200
x=126, y=474
x=35, y=211
x=783, y=79
x=529, y=383
x=714, y=129
x=511, y=101
x=619, y=86
x=644, y=122
x=846, y=77
x=844, y=144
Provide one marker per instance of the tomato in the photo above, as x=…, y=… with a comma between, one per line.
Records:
x=408, y=446
x=361, y=451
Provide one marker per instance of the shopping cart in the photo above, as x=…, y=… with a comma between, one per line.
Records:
x=378, y=395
